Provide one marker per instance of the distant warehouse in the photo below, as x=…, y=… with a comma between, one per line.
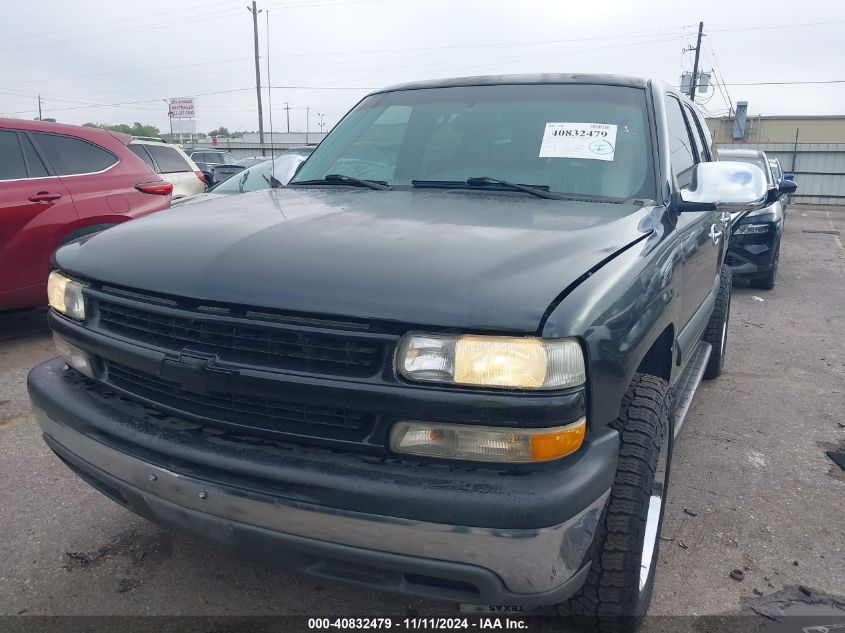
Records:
x=813, y=147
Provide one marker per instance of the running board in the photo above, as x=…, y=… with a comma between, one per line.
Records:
x=685, y=386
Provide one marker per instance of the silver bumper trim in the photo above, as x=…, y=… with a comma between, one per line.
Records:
x=528, y=561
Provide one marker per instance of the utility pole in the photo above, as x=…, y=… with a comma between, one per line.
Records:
x=694, y=82
x=255, y=11
x=39, y=108
x=269, y=89
x=287, y=114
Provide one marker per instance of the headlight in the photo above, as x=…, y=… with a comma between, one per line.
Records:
x=486, y=443
x=751, y=229
x=65, y=295
x=492, y=361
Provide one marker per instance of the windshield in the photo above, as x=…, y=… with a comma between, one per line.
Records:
x=258, y=176
x=579, y=140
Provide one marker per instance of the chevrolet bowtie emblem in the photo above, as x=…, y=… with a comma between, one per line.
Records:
x=196, y=372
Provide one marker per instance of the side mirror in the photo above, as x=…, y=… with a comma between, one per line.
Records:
x=727, y=185
x=786, y=187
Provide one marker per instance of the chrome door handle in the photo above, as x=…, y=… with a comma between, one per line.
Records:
x=714, y=234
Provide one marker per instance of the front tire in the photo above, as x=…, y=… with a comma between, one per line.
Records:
x=717, y=328
x=624, y=553
x=768, y=282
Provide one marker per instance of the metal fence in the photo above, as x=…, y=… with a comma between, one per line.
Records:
x=245, y=150
x=819, y=168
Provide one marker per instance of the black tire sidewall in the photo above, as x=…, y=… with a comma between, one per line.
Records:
x=612, y=592
x=719, y=319
x=648, y=590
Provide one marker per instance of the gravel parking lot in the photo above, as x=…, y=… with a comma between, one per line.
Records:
x=751, y=486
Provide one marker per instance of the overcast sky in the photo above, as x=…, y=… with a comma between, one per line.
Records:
x=327, y=54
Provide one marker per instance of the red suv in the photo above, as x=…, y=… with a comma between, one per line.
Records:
x=57, y=183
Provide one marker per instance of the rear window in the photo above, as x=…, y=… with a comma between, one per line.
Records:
x=69, y=155
x=169, y=160
x=762, y=164
x=141, y=153
x=11, y=157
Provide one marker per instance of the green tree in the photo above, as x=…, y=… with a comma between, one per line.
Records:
x=221, y=131
x=136, y=129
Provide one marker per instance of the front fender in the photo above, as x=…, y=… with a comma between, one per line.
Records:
x=619, y=312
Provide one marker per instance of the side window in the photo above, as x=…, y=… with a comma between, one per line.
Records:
x=698, y=139
x=141, y=153
x=69, y=155
x=35, y=166
x=12, y=165
x=168, y=159
x=681, y=148
x=199, y=157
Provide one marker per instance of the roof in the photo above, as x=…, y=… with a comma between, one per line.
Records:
x=741, y=153
x=82, y=131
x=550, y=78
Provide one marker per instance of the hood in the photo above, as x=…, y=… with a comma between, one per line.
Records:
x=462, y=259
x=199, y=197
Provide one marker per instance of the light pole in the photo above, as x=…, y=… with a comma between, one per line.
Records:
x=322, y=121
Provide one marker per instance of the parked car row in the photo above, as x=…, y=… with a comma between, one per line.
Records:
x=754, y=245
x=266, y=174
x=61, y=182
x=207, y=160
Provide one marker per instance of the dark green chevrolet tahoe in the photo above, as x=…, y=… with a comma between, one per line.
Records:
x=448, y=359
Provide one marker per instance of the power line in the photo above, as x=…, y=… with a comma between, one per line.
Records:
x=215, y=15
x=776, y=26
x=787, y=83
x=134, y=18
x=135, y=70
x=727, y=94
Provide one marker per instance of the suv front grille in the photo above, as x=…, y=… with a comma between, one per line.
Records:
x=251, y=343
x=265, y=415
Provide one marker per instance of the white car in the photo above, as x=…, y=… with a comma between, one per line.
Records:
x=174, y=166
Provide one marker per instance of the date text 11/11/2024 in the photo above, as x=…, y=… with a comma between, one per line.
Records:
x=419, y=624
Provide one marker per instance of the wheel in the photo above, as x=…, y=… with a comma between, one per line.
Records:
x=717, y=327
x=624, y=551
x=768, y=282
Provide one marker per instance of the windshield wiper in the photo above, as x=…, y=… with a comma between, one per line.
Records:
x=541, y=191
x=341, y=179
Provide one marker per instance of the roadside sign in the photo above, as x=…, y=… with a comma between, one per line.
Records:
x=182, y=108
x=184, y=126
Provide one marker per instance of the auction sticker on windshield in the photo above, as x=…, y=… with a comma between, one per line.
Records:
x=595, y=141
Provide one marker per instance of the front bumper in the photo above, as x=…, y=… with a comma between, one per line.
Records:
x=268, y=501
x=753, y=254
